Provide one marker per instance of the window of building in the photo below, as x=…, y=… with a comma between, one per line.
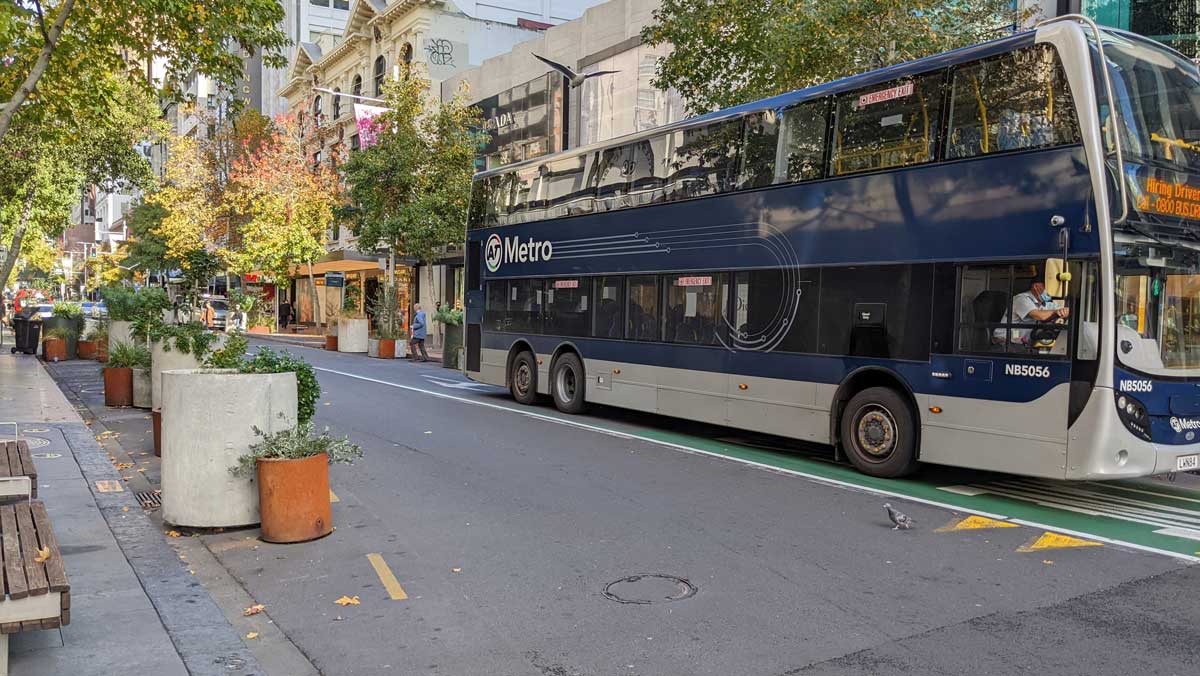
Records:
x=760, y=142
x=607, y=320
x=1014, y=101
x=695, y=308
x=996, y=306
x=892, y=124
x=776, y=309
x=341, y=4
x=641, y=313
x=357, y=86
x=337, y=103
x=380, y=73
x=319, y=3
x=316, y=110
x=568, y=306
x=802, y=154
x=704, y=160
x=354, y=142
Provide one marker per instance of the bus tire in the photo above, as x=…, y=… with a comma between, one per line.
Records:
x=522, y=381
x=567, y=381
x=879, y=433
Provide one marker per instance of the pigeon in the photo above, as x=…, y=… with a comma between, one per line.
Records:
x=902, y=520
x=576, y=79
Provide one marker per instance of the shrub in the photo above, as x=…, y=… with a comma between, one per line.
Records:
x=230, y=356
x=297, y=443
x=121, y=303
x=67, y=310
x=98, y=333
x=447, y=315
x=308, y=390
x=124, y=355
x=190, y=337
x=61, y=333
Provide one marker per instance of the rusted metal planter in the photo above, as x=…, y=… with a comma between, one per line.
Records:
x=88, y=349
x=387, y=348
x=331, y=343
x=54, y=349
x=118, y=387
x=293, y=498
x=102, y=350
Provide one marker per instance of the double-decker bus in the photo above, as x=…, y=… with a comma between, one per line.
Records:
x=986, y=258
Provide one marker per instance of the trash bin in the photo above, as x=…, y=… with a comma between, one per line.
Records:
x=26, y=331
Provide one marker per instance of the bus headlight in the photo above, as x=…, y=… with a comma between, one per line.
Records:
x=1133, y=416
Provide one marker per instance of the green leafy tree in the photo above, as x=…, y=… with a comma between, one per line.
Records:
x=727, y=52
x=409, y=191
x=55, y=49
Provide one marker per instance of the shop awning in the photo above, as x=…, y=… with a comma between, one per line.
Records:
x=341, y=260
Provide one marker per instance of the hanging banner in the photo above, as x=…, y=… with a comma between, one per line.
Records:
x=368, y=129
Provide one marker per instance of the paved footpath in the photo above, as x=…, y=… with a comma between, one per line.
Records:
x=135, y=608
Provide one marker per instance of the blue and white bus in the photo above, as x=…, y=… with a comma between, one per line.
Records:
x=988, y=258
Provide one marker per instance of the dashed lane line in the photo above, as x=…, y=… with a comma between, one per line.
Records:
x=873, y=489
x=390, y=583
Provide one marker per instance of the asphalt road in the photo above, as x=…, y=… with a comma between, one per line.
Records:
x=504, y=531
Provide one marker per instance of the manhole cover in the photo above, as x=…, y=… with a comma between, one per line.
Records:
x=650, y=588
x=149, y=499
x=47, y=456
x=37, y=442
x=36, y=429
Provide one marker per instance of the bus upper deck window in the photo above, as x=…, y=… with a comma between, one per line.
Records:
x=892, y=124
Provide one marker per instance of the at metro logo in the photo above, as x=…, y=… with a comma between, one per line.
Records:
x=498, y=251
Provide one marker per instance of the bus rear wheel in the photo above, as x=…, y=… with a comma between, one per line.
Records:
x=567, y=381
x=879, y=433
x=522, y=381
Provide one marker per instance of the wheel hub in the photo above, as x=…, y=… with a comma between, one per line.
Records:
x=876, y=432
x=523, y=378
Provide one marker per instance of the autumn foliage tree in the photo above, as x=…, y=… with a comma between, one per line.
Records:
x=287, y=204
x=727, y=52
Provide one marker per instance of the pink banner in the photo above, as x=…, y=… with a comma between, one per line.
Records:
x=368, y=129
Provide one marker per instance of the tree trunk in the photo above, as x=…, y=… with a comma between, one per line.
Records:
x=50, y=40
x=15, y=249
x=316, y=303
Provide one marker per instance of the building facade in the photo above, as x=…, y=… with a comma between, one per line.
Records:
x=1171, y=22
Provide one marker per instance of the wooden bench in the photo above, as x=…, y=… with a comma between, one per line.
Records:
x=18, y=474
x=36, y=593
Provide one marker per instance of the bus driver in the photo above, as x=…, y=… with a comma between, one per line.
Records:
x=1028, y=307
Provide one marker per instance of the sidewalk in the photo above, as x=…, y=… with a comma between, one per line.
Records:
x=318, y=343
x=135, y=607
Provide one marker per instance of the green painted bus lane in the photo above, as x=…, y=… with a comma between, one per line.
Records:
x=1106, y=512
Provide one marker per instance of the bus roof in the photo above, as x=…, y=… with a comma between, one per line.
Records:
x=779, y=101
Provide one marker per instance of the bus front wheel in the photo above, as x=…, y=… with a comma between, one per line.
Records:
x=879, y=433
x=567, y=379
x=522, y=382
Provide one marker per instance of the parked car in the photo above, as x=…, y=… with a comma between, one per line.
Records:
x=45, y=311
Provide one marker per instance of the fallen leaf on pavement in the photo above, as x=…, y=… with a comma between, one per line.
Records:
x=124, y=509
x=172, y=533
x=124, y=465
x=253, y=634
x=1047, y=562
x=42, y=555
x=347, y=601
x=253, y=610
x=141, y=469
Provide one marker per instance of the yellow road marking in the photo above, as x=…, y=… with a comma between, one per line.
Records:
x=975, y=522
x=1050, y=540
x=333, y=496
x=394, y=590
x=109, y=486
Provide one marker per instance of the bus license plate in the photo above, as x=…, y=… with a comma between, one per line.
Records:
x=1186, y=463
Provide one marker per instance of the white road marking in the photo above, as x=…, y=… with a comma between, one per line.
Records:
x=456, y=384
x=770, y=468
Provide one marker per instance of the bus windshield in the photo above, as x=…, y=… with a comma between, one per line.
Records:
x=1157, y=94
x=1158, y=308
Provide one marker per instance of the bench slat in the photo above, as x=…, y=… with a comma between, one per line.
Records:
x=14, y=459
x=27, y=467
x=35, y=573
x=4, y=470
x=56, y=572
x=15, y=585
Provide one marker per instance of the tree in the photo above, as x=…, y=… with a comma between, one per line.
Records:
x=409, y=191
x=287, y=202
x=39, y=183
x=188, y=200
x=727, y=52
x=55, y=49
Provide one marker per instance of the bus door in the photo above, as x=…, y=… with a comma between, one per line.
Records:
x=473, y=304
x=1001, y=400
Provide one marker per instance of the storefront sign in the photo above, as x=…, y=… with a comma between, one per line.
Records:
x=335, y=279
x=526, y=121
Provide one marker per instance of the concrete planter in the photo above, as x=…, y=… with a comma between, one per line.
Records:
x=162, y=360
x=142, y=396
x=372, y=347
x=207, y=423
x=352, y=335
x=452, y=346
x=120, y=332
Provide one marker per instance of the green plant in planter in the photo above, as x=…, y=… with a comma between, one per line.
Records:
x=98, y=333
x=308, y=390
x=151, y=301
x=386, y=310
x=61, y=333
x=123, y=355
x=297, y=443
x=350, y=297
x=121, y=303
x=67, y=310
x=231, y=355
x=448, y=315
x=191, y=337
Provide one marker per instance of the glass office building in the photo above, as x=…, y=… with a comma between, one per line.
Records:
x=1173, y=22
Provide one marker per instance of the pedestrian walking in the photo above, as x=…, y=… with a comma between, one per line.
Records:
x=417, y=343
x=285, y=315
x=208, y=315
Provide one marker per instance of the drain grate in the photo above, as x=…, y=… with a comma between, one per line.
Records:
x=36, y=442
x=149, y=499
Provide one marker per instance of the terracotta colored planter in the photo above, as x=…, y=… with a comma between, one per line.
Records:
x=331, y=343
x=293, y=498
x=387, y=348
x=54, y=349
x=118, y=387
x=260, y=329
x=102, y=351
x=87, y=349
x=156, y=423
